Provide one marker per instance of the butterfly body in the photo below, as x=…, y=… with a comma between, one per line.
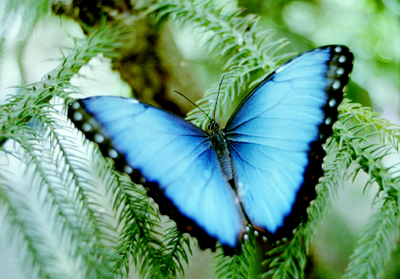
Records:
x=219, y=144
x=262, y=168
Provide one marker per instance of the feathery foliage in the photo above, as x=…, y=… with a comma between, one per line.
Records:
x=231, y=37
x=380, y=237
x=33, y=121
x=237, y=266
x=105, y=245
x=354, y=140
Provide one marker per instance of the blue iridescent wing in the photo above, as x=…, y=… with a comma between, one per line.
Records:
x=167, y=151
x=276, y=134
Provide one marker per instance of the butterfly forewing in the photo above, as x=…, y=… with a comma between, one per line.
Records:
x=275, y=137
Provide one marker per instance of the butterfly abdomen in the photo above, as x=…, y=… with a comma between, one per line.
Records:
x=226, y=164
x=220, y=146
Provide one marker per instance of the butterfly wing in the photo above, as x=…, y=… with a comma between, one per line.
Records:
x=276, y=136
x=171, y=152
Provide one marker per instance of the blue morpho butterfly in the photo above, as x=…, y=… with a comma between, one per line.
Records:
x=262, y=168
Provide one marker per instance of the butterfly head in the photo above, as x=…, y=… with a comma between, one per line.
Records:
x=213, y=126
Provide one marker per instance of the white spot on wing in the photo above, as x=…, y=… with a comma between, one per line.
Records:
x=86, y=127
x=75, y=105
x=264, y=239
x=98, y=138
x=340, y=71
x=112, y=153
x=342, y=59
x=78, y=116
x=128, y=169
x=134, y=101
x=336, y=84
x=328, y=121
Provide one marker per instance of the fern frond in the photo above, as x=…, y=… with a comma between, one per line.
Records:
x=288, y=260
x=238, y=266
x=377, y=243
x=353, y=133
x=20, y=219
x=174, y=251
x=95, y=227
x=63, y=171
x=154, y=258
x=138, y=220
x=230, y=35
x=388, y=132
x=76, y=218
x=379, y=238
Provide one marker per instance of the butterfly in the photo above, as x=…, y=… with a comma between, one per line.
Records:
x=261, y=168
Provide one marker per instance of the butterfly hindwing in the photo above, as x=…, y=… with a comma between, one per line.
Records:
x=171, y=153
x=276, y=136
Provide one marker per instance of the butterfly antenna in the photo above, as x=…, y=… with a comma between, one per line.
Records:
x=216, y=101
x=190, y=101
